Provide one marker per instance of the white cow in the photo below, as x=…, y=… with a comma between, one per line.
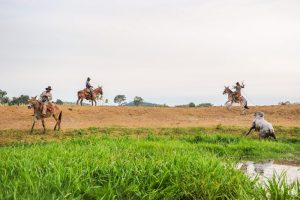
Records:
x=260, y=124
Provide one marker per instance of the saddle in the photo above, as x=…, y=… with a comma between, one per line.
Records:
x=87, y=93
x=50, y=107
x=236, y=97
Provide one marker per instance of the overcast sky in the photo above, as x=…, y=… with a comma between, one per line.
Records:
x=166, y=51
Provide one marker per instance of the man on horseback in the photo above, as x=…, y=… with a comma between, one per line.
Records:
x=45, y=98
x=238, y=90
x=89, y=87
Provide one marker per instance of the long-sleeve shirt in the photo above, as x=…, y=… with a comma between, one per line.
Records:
x=46, y=96
x=88, y=84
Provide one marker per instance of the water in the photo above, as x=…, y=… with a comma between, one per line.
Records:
x=266, y=169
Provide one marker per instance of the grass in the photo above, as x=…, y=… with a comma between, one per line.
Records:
x=123, y=163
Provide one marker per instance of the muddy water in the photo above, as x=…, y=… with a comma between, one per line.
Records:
x=266, y=169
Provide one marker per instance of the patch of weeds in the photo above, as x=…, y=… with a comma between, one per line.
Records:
x=79, y=132
x=151, y=137
x=93, y=130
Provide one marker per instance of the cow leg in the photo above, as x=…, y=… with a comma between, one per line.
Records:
x=250, y=130
x=272, y=134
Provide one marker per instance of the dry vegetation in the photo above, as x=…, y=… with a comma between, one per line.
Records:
x=75, y=117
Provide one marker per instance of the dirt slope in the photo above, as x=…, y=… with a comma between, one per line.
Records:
x=83, y=117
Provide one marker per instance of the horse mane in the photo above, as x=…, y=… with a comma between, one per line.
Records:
x=229, y=90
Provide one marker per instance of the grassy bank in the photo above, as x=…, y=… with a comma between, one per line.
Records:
x=117, y=163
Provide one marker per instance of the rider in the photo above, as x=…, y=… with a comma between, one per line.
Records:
x=238, y=90
x=89, y=87
x=45, y=98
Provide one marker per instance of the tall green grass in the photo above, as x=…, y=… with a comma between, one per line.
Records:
x=165, y=166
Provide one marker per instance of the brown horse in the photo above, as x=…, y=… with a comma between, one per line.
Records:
x=52, y=110
x=232, y=98
x=85, y=94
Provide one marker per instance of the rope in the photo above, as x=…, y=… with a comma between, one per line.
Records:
x=249, y=99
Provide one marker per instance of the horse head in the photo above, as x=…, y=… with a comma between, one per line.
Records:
x=226, y=90
x=99, y=90
x=32, y=102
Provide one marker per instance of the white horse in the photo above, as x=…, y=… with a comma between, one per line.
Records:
x=260, y=124
x=232, y=98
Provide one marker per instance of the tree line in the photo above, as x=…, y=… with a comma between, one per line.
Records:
x=21, y=100
x=119, y=99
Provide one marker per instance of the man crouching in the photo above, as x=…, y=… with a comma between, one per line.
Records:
x=260, y=124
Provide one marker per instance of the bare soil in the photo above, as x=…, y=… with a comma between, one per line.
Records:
x=20, y=117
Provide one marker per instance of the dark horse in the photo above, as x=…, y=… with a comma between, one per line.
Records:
x=85, y=94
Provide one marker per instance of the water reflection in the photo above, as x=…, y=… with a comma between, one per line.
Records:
x=265, y=170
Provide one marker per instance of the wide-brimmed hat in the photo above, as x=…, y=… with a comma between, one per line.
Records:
x=49, y=88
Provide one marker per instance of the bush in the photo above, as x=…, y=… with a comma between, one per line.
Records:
x=205, y=105
x=192, y=104
x=59, y=102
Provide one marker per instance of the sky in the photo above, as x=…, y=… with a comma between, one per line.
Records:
x=166, y=51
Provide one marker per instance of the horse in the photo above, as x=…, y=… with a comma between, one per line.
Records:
x=52, y=110
x=85, y=94
x=233, y=99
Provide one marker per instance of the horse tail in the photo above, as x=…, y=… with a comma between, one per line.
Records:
x=246, y=104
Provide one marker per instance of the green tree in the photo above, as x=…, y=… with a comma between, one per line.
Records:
x=205, y=105
x=192, y=104
x=119, y=99
x=23, y=99
x=59, y=102
x=138, y=101
x=3, y=98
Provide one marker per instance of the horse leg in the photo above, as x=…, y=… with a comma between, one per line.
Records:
x=242, y=108
x=226, y=104
x=43, y=122
x=33, y=125
x=95, y=103
x=56, y=121
x=229, y=105
x=59, y=120
x=81, y=102
x=77, y=101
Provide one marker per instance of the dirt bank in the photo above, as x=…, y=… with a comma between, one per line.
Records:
x=83, y=117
